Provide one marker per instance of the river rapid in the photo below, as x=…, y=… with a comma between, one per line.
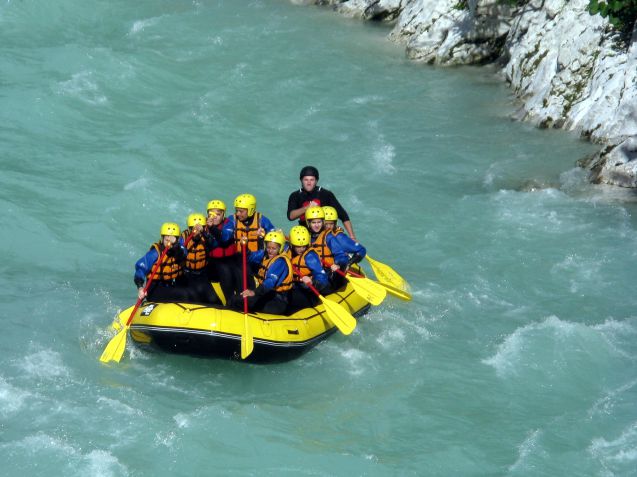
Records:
x=517, y=355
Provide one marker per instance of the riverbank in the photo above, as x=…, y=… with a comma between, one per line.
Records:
x=567, y=68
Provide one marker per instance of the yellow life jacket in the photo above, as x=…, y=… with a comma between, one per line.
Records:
x=320, y=247
x=251, y=231
x=196, y=258
x=169, y=269
x=263, y=269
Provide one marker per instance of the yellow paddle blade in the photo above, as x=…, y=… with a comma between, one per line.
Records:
x=115, y=347
x=122, y=317
x=387, y=275
x=403, y=295
x=339, y=316
x=371, y=291
x=217, y=288
x=247, y=341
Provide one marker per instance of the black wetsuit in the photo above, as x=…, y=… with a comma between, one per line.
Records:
x=300, y=198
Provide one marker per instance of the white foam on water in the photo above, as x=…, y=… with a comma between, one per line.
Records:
x=95, y=339
x=216, y=40
x=613, y=332
x=166, y=439
x=617, y=452
x=391, y=338
x=516, y=208
x=174, y=207
x=606, y=403
x=84, y=87
x=100, y=463
x=119, y=406
x=615, y=327
x=140, y=25
x=95, y=463
x=136, y=353
x=300, y=116
x=141, y=183
x=384, y=152
x=355, y=360
x=157, y=375
x=44, y=364
x=41, y=441
x=238, y=72
x=527, y=448
x=12, y=399
x=509, y=353
x=383, y=159
x=581, y=270
x=182, y=420
x=372, y=98
x=531, y=346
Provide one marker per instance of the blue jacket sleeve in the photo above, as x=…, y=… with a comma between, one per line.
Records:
x=227, y=232
x=277, y=272
x=340, y=256
x=266, y=224
x=319, y=276
x=254, y=258
x=344, y=244
x=144, y=265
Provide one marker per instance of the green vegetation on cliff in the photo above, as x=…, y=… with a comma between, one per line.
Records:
x=620, y=13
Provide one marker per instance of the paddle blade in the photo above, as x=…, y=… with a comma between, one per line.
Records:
x=122, y=318
x=386, y=274
x=247, y=341
x=371, y=291
x=115, y=347
x=339, y=316
x=403, y=295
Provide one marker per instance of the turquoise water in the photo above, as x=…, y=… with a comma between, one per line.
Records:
x=516, y=357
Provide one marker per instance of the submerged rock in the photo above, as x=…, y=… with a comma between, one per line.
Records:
x=567, y=67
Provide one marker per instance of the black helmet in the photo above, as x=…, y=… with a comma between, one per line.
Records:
x=309, y=171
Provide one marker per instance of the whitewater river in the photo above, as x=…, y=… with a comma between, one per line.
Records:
x=517, y=355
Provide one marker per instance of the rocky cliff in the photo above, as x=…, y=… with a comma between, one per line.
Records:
x=567, y=67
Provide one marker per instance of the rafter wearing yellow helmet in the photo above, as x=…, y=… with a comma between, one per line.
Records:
x=197, y=241
x=274, y=277
x=247, y=223
x=307, y=268
x=222, y=263
x=168, y=284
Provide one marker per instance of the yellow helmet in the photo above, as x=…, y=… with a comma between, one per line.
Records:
x=330, y=213
x=196, y=219
x=170, y=228
x=216, y=204
x=275, y=236
x=315, y=212
x=246, y=201
x=299, y=236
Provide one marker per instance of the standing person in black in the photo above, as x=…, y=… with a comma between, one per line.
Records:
x=310, y=194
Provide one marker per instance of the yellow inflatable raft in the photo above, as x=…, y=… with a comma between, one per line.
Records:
x=212, y=331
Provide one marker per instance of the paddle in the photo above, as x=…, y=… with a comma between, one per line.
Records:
x=403, y=295
x=338, y=315
x=115, y=347
x=247, y=341
x=387, y=275
x=371, y=291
